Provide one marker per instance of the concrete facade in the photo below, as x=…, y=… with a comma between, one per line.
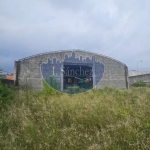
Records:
x=143, y=77
x=107, y=72
x=136, y=73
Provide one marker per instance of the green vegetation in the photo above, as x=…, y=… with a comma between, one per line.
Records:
x=1, y=70
x=52, y=81
x=74, y=89
x=139, y=83
x=94, y=120
x=6, y=95
x=47, y=90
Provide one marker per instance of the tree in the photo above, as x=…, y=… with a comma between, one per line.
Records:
x=1, y=70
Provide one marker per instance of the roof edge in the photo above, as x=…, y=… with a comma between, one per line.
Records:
x=73, y=50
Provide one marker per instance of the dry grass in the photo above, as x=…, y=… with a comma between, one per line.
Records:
x=95, y=120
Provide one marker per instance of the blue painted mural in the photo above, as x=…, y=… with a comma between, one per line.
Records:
x=72, y=73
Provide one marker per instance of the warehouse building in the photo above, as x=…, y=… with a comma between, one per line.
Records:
x=71, y=69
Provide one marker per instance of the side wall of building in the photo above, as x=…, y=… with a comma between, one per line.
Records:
x=145, y=78
x=28, y=70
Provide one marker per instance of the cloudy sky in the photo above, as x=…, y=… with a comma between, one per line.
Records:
x=116, y=28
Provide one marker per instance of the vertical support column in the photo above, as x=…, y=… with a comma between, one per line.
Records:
x=61, y=78
x=94, y=77
x=41, y=78
x=16, y=72
x=126, y=77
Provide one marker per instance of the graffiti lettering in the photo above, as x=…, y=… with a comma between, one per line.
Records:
x=77, y=71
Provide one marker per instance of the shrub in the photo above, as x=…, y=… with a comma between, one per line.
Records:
x=6, y=95
x=48, y=90
x=74, y=89
x=52, y=81
x=139, y=83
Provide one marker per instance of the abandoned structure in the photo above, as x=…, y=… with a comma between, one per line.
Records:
x=145, y=77
x=64, y=70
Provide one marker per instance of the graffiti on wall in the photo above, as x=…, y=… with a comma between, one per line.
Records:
x=72, y=74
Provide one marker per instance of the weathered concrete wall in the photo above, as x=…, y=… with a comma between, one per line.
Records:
x=135, y=73
x=28, y=70
x=144, y=77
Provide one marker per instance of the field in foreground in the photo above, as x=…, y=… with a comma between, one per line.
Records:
x=98, y=119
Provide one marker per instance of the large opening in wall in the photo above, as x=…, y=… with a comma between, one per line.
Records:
x=77, y=75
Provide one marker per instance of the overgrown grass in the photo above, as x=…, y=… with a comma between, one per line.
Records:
x=95, y=120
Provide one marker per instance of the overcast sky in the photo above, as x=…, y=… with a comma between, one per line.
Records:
x=116, y=28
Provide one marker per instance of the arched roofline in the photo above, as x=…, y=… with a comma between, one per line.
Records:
x=73, y=50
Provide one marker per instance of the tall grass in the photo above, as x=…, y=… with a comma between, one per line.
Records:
x=95, y=120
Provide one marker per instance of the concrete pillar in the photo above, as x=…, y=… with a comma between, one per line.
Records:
x=61, y=78
x=94, y=77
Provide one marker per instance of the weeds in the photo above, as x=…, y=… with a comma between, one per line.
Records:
x=97, y=119
x=6, y=95
x=139, y=83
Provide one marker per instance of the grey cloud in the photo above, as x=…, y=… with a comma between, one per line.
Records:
x=119, y=29
x=68, y=4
